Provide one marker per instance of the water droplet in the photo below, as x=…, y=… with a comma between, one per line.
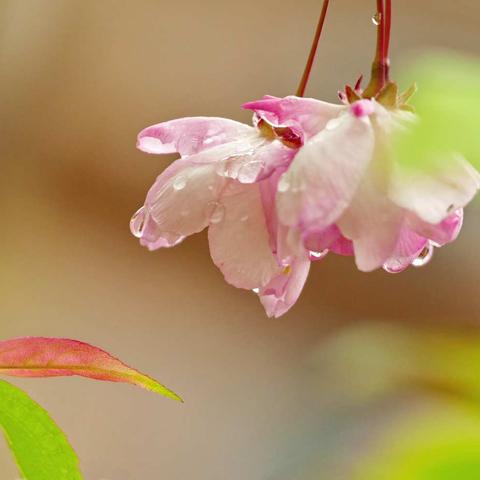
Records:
x=179, y=182
x=256, y=290
x=249, y=172
x=230, y=166
x=138, y=222
x=315, y=256
x=215, y=212
x=283, y=184
x=244, y=218
x=425, y=256
x=393, y=267
x=377, y=19
x=210, y=187
x=171, y=238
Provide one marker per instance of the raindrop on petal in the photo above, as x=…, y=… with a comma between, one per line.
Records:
x=393, y=267
x=377, y=19
x=256, y=290
x=244, y=218
x=425, y=256
x=315, y=256
x=249, y=172
x=179, y=182
x=215, y=212
x=172, y=238
x=138, y=222
x=229, y=166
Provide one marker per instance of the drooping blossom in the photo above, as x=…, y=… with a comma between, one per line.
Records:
x=345, y=192
x=307, y=179
x=226, y=180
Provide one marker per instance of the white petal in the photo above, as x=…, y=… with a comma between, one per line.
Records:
x=178, y=203
x=190, y=135
x=239, y=242
x=372, y=222
x=325, y=174
x=435, y=193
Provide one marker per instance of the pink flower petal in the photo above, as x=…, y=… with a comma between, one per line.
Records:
x=324, y=176
x=272, y=157
x=190, y=135
x=330, y=239
x=442, y=233
x=239, y=238
x=408, y=248
x=343, y=246
x=307, y=116
x=268, y=191
x=285, y=242
x=319, y=240
x=373, y=223
x=177, y=204
x=254, y=164
x=281, y=293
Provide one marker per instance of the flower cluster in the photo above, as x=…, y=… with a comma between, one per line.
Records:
x=306, y=179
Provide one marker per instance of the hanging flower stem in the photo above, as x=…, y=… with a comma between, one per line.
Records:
x=381, y=63
x=313, y=51
x=388, y=31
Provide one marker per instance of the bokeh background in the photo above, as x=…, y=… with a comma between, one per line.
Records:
x=370, y=376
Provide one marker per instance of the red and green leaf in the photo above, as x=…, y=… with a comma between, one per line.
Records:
x=54, y=357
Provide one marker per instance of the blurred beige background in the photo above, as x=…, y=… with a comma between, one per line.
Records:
x=79, y=79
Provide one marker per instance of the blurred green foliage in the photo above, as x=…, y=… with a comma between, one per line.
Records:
x=439, y=443
x=441, y=440
x=448, y=105
x=412, y=395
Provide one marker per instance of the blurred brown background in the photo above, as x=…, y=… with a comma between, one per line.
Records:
x=79, y=79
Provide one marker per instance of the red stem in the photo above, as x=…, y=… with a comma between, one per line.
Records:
x=380, y=55
x=388, y=30
x=313, y=51
x=381, y=62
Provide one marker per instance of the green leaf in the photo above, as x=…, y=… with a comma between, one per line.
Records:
x=41, y=450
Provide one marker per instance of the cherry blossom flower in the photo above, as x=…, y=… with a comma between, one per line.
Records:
x=226, y=180
x=308, y=178
x=344, y=191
